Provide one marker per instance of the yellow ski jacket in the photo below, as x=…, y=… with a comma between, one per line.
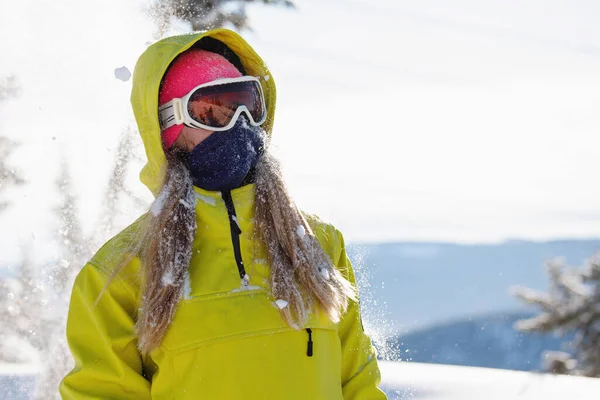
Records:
x=226, y=340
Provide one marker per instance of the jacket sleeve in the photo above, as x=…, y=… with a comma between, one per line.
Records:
x=102, y=341
x=360, y=372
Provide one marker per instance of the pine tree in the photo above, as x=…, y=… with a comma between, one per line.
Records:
x=8, y=88
x=572, y=305
x=32, y=302
x=117, y=189
x=206, y=14
x=14, y=323
x=75, y=248
x=8, y=176
x=23, y=314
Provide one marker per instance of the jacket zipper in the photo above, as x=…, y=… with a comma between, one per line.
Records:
x=235, y=232
x=309, y=350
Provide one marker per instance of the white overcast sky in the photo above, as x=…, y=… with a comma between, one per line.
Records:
x=464, y=121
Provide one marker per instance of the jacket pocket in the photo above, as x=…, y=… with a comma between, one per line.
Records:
x=206, y=320
x=240, y=337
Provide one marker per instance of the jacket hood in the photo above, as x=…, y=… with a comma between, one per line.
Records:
x=148, y=73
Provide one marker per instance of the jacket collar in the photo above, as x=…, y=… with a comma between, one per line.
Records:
x=211, y=214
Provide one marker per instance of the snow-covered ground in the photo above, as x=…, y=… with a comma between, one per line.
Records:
x=413, y=381
x=442, y=382
x=16, y=380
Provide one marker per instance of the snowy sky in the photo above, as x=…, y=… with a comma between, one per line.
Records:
x=468, y=121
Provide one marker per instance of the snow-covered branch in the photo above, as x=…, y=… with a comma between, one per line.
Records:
x=206, y=14
x=571, y=305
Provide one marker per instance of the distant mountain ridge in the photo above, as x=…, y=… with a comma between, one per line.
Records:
x=450, y=303
x=408, y=286
x=485, y=341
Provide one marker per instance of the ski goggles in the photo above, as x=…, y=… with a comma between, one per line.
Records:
x=217, y=105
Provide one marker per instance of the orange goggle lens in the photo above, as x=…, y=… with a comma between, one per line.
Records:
x=215, y=106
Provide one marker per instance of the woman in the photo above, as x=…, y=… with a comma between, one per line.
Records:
x=223, y=290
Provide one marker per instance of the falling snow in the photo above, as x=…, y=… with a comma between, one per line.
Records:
x=157, y=206
x=324, y=273
x=206, y=199
x=187, y=287
x=167, y=279
x=245, y=285
x=281, y=304
x=122, y=74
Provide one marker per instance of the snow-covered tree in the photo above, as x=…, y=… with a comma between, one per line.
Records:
x=206, y=14
x=13, y=325
x=8, y=175
x=23, y=313
x=75, y=247
x=117, y=189
x=572, y=306
x=8, y=87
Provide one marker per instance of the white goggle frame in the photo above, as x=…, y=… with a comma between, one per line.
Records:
x=175, y=112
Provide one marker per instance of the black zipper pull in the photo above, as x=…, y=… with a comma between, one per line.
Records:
x=235, y=232
x=309, y=350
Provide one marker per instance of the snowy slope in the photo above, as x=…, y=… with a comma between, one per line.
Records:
x=441, y=382
x=16, y=380
x=414, y=381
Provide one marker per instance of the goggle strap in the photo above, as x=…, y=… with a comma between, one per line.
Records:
x=170, y=114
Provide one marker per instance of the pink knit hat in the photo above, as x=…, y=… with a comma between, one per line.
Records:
x=192, y=68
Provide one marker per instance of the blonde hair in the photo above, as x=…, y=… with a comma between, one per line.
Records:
x=301, y=273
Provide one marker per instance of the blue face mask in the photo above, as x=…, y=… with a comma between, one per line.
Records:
x=222, y=160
